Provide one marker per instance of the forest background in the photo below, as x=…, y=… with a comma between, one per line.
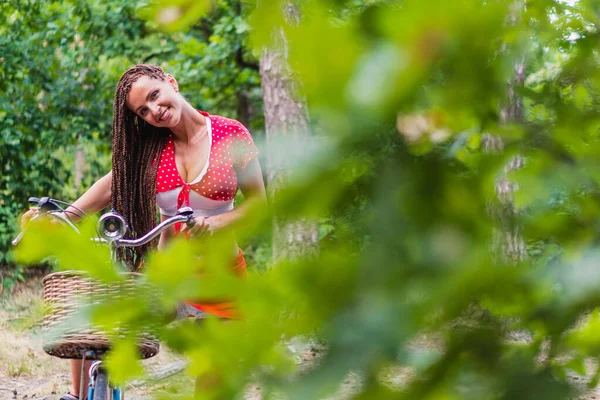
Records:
x=449, y=176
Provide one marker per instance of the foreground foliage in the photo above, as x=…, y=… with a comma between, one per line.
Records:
x=402, y=95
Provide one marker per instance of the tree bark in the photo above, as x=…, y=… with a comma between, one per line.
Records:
x=286, y=121
x=507, y=239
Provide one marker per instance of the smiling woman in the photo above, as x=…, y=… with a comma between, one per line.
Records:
x=143, y=98
x=167, y=153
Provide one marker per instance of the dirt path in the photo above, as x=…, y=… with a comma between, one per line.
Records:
x=49, y=380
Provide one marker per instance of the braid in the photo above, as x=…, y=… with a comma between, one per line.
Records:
x=136, y=148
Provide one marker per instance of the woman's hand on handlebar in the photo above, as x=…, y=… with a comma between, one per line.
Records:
x=25, y=218
x=204, y=226
x=29, y=214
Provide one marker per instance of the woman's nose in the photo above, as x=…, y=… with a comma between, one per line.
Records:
x=156, y=110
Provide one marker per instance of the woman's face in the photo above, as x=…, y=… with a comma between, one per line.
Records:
x=156, y=102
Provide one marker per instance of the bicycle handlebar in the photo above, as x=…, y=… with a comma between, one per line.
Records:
x=111, y=226
x=184, y=214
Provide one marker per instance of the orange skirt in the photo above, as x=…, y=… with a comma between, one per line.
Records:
x=223, y=309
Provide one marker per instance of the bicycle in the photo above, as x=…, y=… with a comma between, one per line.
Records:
x=111, y=230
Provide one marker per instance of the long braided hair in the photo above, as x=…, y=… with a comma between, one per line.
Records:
x=136, y=148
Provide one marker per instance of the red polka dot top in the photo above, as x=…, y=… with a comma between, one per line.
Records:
x=213, y=191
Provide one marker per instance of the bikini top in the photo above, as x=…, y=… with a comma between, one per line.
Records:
x=213, y=191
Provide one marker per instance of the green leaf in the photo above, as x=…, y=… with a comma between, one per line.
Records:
x=123, y=362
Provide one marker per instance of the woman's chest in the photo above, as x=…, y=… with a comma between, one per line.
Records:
x=210, y=173
x=190, y=160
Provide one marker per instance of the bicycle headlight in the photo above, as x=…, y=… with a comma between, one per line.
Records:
x=111, y=226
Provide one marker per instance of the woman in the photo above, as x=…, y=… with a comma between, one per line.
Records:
x=168, y=154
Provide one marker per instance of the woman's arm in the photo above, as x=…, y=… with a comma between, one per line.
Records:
x=93, y=200
x=253, y=188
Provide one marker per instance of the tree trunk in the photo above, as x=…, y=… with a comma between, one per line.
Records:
x=507, y=239
x=286, y=121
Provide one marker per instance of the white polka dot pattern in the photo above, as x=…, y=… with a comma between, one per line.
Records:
x=231, y=149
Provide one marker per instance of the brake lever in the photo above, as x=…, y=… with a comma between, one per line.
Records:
x=59, y=214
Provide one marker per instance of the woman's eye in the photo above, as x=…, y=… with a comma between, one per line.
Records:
x=143, y=112
x=154, y=94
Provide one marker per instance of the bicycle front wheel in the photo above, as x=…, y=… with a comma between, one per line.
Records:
x=101, y=385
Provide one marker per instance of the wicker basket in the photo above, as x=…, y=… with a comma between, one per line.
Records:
x=65, y=293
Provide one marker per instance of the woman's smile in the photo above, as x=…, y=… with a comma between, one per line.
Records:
x=165, y=115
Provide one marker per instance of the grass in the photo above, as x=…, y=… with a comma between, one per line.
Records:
x=16, y=370
x=23, y=308
x=21, y=314
x=178, y=386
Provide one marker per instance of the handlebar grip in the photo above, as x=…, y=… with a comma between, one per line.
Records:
x=189, y=213
x=33, y=200
x=190, y=222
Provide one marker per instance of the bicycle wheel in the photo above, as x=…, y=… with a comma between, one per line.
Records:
x=101, y=385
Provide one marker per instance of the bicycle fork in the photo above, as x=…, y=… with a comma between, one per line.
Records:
x=98, y=385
